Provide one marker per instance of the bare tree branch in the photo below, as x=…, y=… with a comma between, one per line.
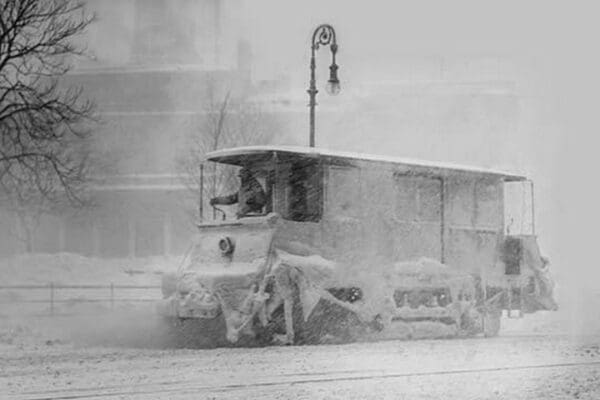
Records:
x=224, y=123
x=43, y=124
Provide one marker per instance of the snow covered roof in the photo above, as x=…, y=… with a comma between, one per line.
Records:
x=252, y=154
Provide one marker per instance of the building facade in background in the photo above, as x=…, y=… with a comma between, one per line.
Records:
x=154, y=64
x=157, y=64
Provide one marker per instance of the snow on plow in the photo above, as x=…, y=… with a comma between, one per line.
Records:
x=419, y=299
x=242, y=291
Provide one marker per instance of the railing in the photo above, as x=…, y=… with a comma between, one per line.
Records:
x=53, y=300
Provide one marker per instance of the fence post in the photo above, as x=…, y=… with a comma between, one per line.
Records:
x=112, y=296
x=51, y=298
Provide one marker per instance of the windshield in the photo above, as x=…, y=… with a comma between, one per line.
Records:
x=292, y=187
x=233, y=192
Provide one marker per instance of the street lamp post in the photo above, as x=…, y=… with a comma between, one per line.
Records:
x=324, y=35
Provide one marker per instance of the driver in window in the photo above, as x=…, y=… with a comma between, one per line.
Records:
x=251, y=197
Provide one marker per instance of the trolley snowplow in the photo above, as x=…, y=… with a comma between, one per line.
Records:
x=431, y=257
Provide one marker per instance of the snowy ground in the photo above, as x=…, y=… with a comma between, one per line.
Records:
x=123, y=353
x=509, y=367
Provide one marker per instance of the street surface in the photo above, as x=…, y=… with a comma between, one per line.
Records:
x=538, y=366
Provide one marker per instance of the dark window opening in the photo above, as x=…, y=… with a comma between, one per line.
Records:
x=304, y=192
x=512, y=254
x=225, y=183
x=269, y=183
x=427, y=297
x=348, y=295
x=263, y=178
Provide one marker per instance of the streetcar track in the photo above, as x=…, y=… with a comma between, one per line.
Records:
x=189, y=386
